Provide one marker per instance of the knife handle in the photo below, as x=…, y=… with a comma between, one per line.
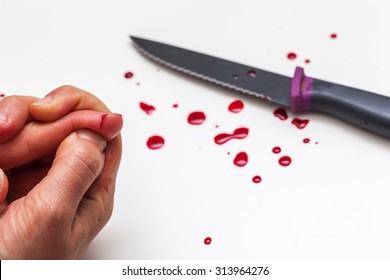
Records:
x=367, y=110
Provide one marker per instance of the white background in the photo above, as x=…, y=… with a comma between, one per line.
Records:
x=332, y=202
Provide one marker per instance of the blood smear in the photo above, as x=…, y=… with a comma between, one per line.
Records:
x=207, y=241
x=196, y=118
x=241, y=159
x=239, y=133
x=299, y=123
x=129, y=75
x=148, y=109
x=236, y=106
x=276, y=150
x=256, y=179
x=281, y=113
x=155, y=142
x=103, y=117
x=291, y=55
x=285, y=161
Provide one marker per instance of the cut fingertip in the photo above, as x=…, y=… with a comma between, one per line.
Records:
x=93, y=137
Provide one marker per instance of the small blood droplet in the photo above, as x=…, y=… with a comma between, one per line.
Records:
x=196, y=118
x=129, y=75
x=239, y=133
x=155, y=142
x=276, y=150
x=241, y=159
x=148, y=109
x=207, y=241
x=291, y=55
x=251, y=73
x=333, y=36
x=306, y=140
x=175, y=105
x=236, y=106
x=256, y=179
x=299, y=123
x=281, y=113
x=307, y=61
x=2, y=95
x=103, y=117
x=285, y=161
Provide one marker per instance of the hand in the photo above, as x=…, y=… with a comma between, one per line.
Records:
x=56, y=207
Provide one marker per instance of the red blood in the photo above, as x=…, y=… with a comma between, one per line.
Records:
x=175, y=105
x=207, y=241
x=301, y=124
x=129, y=75
x=291, y=55
x=333, y=36
x=241, y=159
x=285, y=161
x=155, y=142
x=2, y=95
x=307, y=61
x=251, y=73
x=196, y=118
x=148, y=109
x=306, y=140
x=236, y=106
x=239, y=133
x=281, y=113
x=256, y=179
x=102, y=119
x=276, y=150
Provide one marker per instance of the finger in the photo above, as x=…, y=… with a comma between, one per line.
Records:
x=3, y=187
x=38, y=140
x=14, y=112
x=63, y=100
x=97, y=204
x=78, y=162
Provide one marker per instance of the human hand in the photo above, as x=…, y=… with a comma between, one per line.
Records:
x=56, y=207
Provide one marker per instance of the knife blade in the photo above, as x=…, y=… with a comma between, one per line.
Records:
x=367, y=110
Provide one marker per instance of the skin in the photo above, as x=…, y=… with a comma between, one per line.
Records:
x=60, y=166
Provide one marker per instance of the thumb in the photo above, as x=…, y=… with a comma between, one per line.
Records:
x=3, y=189
x=78, y=162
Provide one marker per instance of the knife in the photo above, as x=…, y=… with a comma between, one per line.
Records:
x=367, y=110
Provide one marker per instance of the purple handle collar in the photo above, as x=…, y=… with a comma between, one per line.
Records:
x=301, y=88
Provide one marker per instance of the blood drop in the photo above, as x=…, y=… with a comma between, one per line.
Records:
x=196, y=118
x=155, y=142
x=241, y=159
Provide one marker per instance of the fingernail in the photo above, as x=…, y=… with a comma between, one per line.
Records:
x=3, y=117
x=44, y=101
x=93, y=137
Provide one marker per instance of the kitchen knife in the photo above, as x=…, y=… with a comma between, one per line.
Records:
x=300, y=93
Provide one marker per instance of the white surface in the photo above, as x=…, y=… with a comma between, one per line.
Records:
x=332, y=202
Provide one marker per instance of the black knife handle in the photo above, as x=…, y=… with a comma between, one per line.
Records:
x=363, y=109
